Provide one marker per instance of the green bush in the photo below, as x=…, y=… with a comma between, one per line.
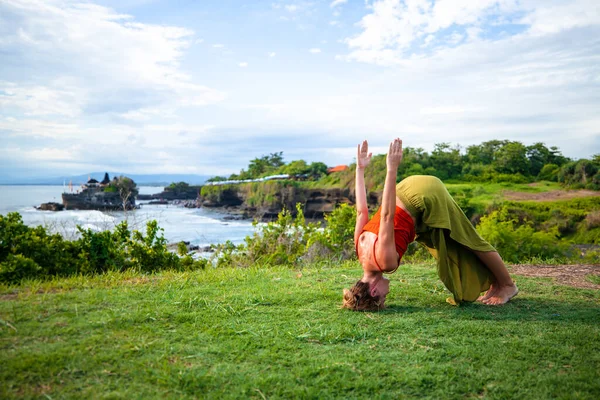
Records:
x=549, y=172
x=103, y=251
x=148, y=253
x=281, y=242
x=573, y=218
x=463, y=197
x=16, y=267
x=32, y=253
x=581, y=174
x=336, y=239
x=517, y=241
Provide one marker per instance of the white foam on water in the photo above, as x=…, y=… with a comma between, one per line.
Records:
x=90, y=226
x=198, y=226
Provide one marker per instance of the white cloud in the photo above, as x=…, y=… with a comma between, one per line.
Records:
x=556, y=16
x=336, y=3
x=199, y=41
x=36, y=100
x=291, y=7
x=390, y=30
x=146, y=114
x=454, y=109
x=84, y=84
x=95, y=51
x=243, y=64
x=218, y=45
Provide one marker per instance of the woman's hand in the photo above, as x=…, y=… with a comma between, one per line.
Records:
x=363, y=157
x=394, y=156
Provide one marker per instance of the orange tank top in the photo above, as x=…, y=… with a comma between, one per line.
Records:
x=404, y=232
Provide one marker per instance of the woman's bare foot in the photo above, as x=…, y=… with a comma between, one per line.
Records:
x=501, y=295
x=491, y=291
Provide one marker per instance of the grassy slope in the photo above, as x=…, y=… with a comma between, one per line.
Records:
x=484, y=194
x=273, y=333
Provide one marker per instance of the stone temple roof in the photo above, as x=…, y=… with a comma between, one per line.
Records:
x=106, y=179
x=92, y=181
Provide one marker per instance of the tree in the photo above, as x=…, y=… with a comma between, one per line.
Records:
x=297, y=167
x=538, y=155
x=413, y=160
x=265, y=165
x=556, y=157
x=317, y=169
x=216, y=179
x=549, y=172
x=512, y=159
x=179, y=186
x=446, y=161
x=484, y=153
x=127, y=190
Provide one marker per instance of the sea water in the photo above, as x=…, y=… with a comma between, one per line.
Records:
x=199, y=226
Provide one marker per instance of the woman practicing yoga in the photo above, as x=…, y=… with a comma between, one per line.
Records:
x=420, y=208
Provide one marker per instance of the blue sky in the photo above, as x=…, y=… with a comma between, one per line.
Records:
x=149, y=86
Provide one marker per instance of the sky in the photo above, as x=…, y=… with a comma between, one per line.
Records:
x=205, y=86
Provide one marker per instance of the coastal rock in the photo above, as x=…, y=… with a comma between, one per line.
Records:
x=316, y=202
x=117, y=195
x=173, y=194
x=190, y=247
x=96, y=200
x=51, y=206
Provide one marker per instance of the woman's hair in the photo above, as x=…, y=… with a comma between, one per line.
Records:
x=359, y=298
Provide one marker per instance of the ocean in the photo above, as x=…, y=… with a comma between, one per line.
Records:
x=199, y=226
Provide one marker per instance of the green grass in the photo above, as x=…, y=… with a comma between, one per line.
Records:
x=594, y=279
x=485, y=194
x=273, y=333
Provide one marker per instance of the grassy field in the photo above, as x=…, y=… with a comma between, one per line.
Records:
x=279, y=333
x=484, y=194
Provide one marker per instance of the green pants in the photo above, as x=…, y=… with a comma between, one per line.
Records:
x=448, y=234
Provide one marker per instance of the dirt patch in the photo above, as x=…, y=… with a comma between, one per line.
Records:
x=552, y=195
x=9, y=296
x=571, y=275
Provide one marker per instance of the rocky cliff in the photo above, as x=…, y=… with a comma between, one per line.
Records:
x=262, y=201
x=317, y=202
x=96, y=200
x=169, y=194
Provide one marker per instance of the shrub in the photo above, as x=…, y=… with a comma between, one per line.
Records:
x=16, y=267
x=463, y=197
x=281, y=242
x=27, y=252
x=148, y=253
x=103, y=251
x=31, y=252
x=518, y=243
x=549, y=172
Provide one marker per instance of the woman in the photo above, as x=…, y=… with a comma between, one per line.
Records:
x=420, y=208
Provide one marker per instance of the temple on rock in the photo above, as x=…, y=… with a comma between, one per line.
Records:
x=118, y=194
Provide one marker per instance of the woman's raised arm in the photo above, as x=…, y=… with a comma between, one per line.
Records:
x=386, y=249
x=363, y=158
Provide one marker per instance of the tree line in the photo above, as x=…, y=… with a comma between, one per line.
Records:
x=490, y=161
